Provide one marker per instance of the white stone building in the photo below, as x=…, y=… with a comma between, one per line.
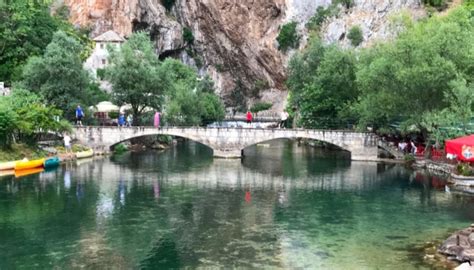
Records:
x=98, y=58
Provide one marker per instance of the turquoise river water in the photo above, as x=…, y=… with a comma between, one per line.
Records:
x=283, y=206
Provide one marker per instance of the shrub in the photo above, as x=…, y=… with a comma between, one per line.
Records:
x=464, y=169
x=258, y=87
x=168, y=4
x=355, y=36
x=409, y=158
x=120, y=149
x=347, y=3
x=100, y=73
x=288, y=37
x=438, y=4
x=188, y=36
x=320, y=16
x=260, y=106
x=7, y=126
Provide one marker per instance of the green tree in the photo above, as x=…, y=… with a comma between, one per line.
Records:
x=192, y=101
x=288, y=36
x=58, y=75
x=355, y=36
x=322, y=84
x=409, y=79
x=188, y=36
x=26, y=28
x=7, y=124
x=30, y=117
x=137, y=76
x=332, y=88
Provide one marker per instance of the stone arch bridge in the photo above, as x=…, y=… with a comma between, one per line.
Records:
x=230, y=142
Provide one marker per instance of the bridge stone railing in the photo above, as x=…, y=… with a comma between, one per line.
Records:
x=230, y=142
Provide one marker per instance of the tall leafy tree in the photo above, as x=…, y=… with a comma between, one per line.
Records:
x=192, y=100
x=26, y=28
x=410, y=78
x=24, y=116
x=322, y=83
x=137, y=76
x=58, y=75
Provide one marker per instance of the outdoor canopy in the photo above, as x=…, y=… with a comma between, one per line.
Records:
x=462, y=148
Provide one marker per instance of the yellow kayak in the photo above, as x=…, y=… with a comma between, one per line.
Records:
x=85, y=154
x=23, y=165
x=26, y=172
x=8, y=165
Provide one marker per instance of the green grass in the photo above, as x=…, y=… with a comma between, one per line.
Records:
x=20, y=151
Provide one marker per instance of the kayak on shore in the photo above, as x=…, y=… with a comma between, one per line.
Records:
x=10, y=165
x=51, y=162
x=85, y=154
x=30, y=164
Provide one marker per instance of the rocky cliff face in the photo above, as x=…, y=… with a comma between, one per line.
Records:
x=234, y=40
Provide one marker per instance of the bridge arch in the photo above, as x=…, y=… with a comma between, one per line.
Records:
x=110, y=147
x=228, y=142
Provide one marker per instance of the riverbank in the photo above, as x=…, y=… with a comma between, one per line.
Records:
x=20, y=151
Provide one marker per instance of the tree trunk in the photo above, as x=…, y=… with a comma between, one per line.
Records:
x=425, y=136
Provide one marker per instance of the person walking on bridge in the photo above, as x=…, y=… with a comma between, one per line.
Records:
x=156, y=120
x=283, y=117
x=249, y=117
x=79, y=115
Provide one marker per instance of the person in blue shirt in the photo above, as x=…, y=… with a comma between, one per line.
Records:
x=79, y=115
x=121, y=120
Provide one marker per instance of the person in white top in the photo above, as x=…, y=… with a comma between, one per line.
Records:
x=67, y=143
x=283, y=117
x=413, y=147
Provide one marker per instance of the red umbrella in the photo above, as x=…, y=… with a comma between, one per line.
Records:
x=462, y=148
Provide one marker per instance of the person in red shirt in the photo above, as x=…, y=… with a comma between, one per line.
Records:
x=249, y=117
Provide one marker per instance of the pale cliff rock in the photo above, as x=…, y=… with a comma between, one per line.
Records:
x=372, y=16
x=235, y=40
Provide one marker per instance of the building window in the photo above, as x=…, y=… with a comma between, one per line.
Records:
x=101, y=45
x=104, y=62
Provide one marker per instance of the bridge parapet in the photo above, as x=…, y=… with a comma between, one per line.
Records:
x=229, y=142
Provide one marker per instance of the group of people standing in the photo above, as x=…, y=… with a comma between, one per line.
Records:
x=125, y=121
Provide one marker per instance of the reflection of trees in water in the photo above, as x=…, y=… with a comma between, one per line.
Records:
x=285, y=157
x=183, y=208
x=178, y=158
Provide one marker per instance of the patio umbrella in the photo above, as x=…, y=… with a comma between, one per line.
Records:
x=106, y=106
x=462, y=148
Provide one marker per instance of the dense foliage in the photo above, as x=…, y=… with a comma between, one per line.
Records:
x=168, y=4
x=26, y=28
x=355, y=36
x=321, y=15
x=423, y=79
x=140, y=79
x=191, y=101
x=322, y=81
x=288, y=36
x=188, y=36
x=136, y=75
x=58, y=76
x=23, y=117
x=260, y=106
x=419, y=75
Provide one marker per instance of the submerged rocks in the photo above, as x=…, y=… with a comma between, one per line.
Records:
x=460, y=245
